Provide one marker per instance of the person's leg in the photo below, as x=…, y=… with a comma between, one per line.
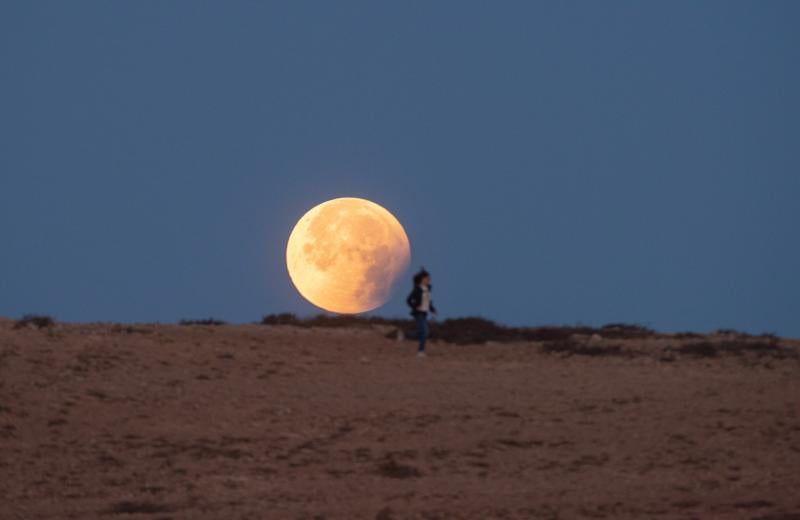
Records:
x=422, y=329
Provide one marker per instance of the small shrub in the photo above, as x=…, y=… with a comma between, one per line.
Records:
x=475, y=330
x=128, y=507
x=328, y=321
x=207, y=321
x=392, y=469
x=130, y=329
x=753, y=504
x=284, y=318
x=574, y=348
x=34, y=320
x=553, y=333
x=732, y=332
x=737, y=347
x=687, y=335
x=472, y=330
x=758, y=347
x=698, y=349
x=625, y=331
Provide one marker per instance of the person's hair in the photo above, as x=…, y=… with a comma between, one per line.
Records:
x=421, y=274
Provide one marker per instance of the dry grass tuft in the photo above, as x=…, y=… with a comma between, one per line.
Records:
x=738, y=347
x=37, y=321
x=392, y=469
x=328, y=321
x=128, y=507
x=470, y=330
x=570, y=347
x=206, y=321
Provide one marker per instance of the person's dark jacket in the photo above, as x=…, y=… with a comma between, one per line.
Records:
x=415, y=299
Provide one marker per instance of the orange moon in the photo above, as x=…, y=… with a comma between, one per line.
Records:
x=344, y=255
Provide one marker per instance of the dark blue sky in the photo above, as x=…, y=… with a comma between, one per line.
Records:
x=555, y=162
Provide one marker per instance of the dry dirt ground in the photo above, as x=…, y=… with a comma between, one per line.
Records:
x=199, y=422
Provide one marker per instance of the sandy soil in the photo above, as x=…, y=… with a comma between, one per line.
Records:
x=158, y=422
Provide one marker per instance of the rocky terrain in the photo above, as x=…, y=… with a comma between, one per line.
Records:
x=288, y=421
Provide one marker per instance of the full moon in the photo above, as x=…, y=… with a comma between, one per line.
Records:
x=345, y=255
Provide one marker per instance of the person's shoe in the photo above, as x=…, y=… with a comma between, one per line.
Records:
x=421, y=354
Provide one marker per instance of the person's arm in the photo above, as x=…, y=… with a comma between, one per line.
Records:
x=433, y=308
x=414, y=298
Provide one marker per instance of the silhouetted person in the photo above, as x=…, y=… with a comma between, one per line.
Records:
x=421, y=304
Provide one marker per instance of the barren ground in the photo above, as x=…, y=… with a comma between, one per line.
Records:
x=229, y=422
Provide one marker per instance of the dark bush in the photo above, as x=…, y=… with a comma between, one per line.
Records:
x=554, y=333
x=687, y=335
x=697, y=349
x=625, y=331
x=574, y=348
x=732, y=332
x=759, y=347
x=130, y=329
x=745, y=335
x=473, y=330
x=778, y=516
x=392, y=469
x=284, y=318
x=128, y=507
x=738, y=347
x=329, y=321
x=462, y=331
x=349, y=321
x=34, y=320
x=207, y=321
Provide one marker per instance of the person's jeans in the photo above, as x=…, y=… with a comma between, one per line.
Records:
x=422, y=329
